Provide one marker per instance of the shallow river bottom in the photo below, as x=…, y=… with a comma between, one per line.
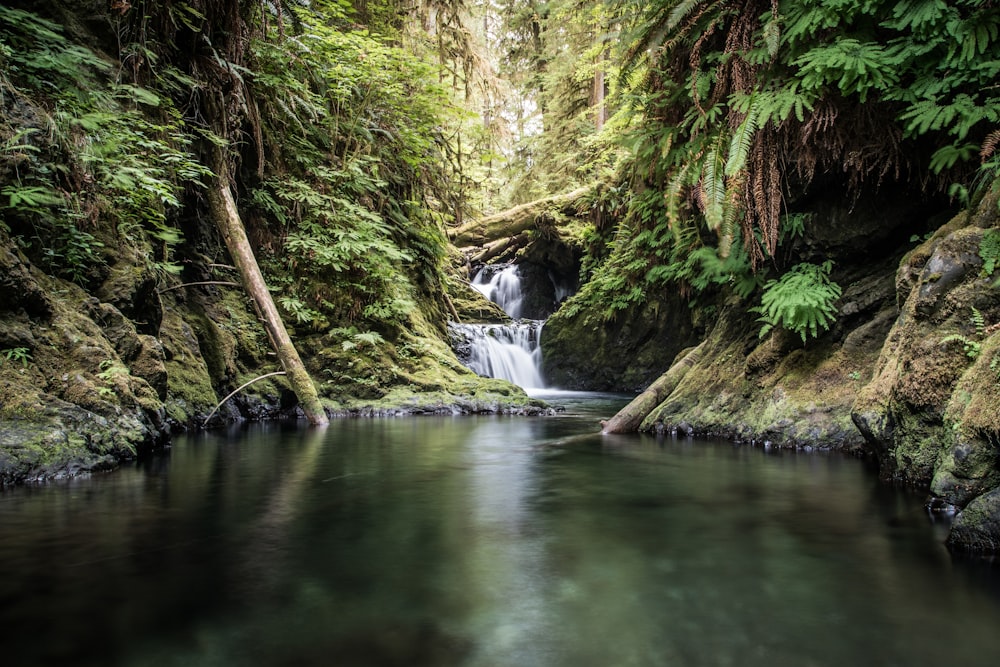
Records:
x=484, y=541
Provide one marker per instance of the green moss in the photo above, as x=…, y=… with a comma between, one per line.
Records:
x=189, y=386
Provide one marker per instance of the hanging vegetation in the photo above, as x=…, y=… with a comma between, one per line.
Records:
x=732, y=109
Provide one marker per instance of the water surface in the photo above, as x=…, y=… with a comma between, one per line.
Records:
x=484, y=541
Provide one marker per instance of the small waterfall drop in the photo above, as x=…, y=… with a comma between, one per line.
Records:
x=501, y=287
x=505, y=351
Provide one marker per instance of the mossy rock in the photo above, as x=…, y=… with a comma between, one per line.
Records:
x=779, y=393
x=929, y=400
x=976, y=528
x=581, y=351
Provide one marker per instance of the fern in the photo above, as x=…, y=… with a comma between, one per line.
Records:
x=989, y=251
x=739, y=146
x=948, y=156
x=971, y=347
x=713, y=186
x=957, y=117
x=855, y=67
x=801, y=301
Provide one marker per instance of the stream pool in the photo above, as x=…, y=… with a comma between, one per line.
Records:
x=484, y=541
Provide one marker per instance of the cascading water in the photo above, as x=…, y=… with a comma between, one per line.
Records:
x=502, y=288
x=506, y=351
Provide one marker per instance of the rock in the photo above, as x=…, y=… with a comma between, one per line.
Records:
x=977, y=527
x=149, y=363
x=580, y=351
x=132, y=290
x=929, y=408
x=19, y=289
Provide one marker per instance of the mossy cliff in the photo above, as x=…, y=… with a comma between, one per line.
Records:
x=909, y=375
x=83, y=384
x=779, y=390
x=931, y=413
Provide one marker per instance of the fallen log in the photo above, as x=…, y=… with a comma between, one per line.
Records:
x=628, y=419
x=227, y=219
x=514, y=221
x=500, y=247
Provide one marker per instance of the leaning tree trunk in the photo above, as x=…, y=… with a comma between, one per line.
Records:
x=630, y=417
x=227, y=219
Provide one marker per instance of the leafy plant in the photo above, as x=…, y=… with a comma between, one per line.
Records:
x=105, y=151
x=971, y=347
x=802, y=301
x=989, y=251
x=16, y=354
x=354, y=338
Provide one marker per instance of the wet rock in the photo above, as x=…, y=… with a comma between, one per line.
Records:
x=581, y=351
x=149, y=363
x=118, y=329
x=977, y=527
x=18, y=288
x=909, y=409
x=132, y=289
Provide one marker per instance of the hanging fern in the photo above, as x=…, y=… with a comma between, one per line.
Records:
x=802, y=301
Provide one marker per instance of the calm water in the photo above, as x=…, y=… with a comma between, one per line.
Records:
x=484, y=541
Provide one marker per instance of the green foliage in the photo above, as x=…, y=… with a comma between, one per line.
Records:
x=970, y=346
x=802, y=301
x=16, y=355
x=355, y=189
x=87, y=153
x=354, y=338
x=855, y=68
x=989, y=251
x=811, y=85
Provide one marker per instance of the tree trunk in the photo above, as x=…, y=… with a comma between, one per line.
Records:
x=227, y=219
x=630, y=417
x=597, y=99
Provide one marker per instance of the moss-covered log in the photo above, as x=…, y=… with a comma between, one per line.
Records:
x=486, y=231
x=630, y=417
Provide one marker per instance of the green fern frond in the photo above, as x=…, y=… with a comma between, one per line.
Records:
x=989, y=251
x=713, y=186
x=680, y=12
x=801, y=301
x=739, y=146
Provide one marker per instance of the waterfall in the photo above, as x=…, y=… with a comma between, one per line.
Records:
x=502, y=287
x=506, y=351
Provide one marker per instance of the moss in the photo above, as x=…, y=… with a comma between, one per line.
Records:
x=189, y=386
x=581, y=351
x=977, y=527
x=974, y=403
x=773, y=390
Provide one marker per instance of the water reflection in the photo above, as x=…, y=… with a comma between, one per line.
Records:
x=483, y=541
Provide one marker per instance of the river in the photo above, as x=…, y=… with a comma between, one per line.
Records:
x=484, y=541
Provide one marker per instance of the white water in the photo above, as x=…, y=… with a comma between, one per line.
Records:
x=502, y=288
x=506, y=351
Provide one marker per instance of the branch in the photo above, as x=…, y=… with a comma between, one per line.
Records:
x=228, y=283
x=238, y=390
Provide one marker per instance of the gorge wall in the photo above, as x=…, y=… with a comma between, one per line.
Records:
x=909, y=375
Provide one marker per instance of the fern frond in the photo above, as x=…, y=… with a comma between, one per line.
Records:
x=739, y=146
x=989, y=145
x=713, y=186
x=801, y=301
x=680, y=11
